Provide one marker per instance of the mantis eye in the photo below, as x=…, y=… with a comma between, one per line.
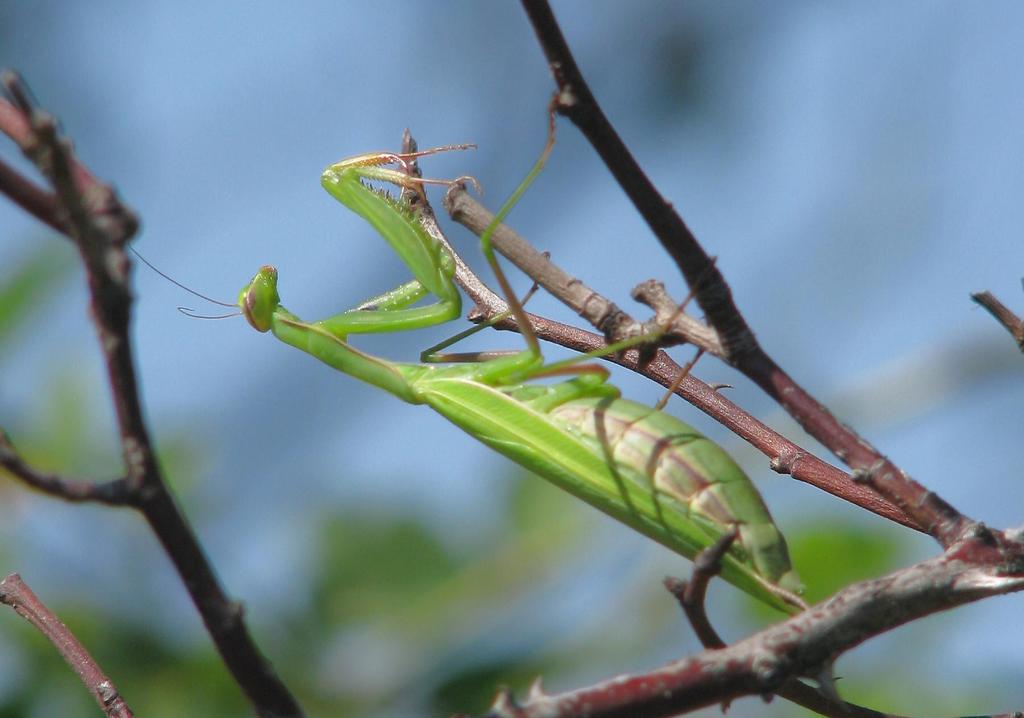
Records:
x=259, y=298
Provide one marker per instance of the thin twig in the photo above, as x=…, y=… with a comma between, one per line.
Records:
x=15, y=593
x=113, y=493
x=690, y=594
x=90, y=213
x=1003, y=314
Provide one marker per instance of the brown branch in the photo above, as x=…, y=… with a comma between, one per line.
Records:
x=112, y=493
x=740, y=347
x=16, y=594
x=785, y=456
x=1003, y=314
x=979, y=566
x=91, y=214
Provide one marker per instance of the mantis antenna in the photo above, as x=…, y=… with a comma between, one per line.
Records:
x=187, y=311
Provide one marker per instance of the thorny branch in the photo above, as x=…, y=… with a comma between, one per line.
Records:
x=15, y=593
x=89, y=213
x=980, y=565
x=691, y=594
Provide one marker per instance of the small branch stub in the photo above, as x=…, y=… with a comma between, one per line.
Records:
x=1003, y=315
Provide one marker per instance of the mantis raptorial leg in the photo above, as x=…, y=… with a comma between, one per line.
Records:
x=641, y=466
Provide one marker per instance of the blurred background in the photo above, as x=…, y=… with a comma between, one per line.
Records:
x=856, y=167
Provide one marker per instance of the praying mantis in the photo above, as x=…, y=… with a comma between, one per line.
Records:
x=643, y=467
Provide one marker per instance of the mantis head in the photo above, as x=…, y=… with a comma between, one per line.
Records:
x=258, y=299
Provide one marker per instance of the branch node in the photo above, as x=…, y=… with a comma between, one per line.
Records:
x=867, y=476
x=567, y=98
x=770, y=671
x=785, y=463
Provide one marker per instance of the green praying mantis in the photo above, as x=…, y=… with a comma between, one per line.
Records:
x=643, y=467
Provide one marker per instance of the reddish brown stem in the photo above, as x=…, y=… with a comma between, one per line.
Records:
x=15, y=593
x=690, y=594
x=112, y=493
x=982, y=564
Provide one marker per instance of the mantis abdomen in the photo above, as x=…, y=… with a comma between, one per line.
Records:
x=639, y=465
x=678, y=462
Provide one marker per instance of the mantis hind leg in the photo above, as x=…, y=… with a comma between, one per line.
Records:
x=435, y=354
x=585, y=385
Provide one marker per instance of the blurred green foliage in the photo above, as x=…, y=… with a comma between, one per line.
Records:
x=832, y=554
x=24, y=289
